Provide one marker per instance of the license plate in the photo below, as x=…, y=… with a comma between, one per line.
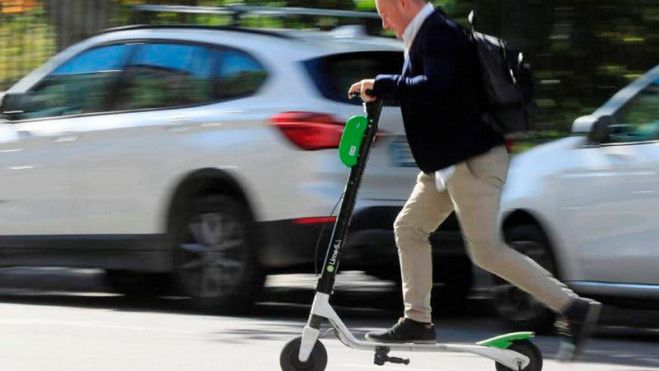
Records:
x=400, y=154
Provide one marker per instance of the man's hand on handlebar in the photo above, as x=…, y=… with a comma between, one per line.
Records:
x=363, y=89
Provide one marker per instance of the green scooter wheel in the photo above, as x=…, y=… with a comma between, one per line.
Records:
x=527, y=348
x=288, y=360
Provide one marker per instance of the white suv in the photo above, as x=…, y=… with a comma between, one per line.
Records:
x=205, y=152
x=586, y=206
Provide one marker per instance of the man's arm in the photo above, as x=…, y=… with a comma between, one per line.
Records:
x=440, y=56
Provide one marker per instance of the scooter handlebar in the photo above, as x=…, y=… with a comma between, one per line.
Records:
x=355, y=95
x=373, y=108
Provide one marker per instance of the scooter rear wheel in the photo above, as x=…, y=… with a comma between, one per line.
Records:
x=288, y=360
x=528, y=349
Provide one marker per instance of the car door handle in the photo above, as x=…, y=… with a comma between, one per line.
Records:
x=66, y=138
x=23, y=134
x=180, y=124
x=178, y=128
x=619, y=155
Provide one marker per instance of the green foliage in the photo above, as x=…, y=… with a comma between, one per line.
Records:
x=26, y=41
x=581, y=51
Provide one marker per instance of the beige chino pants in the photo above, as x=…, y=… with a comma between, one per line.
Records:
x=474, y=192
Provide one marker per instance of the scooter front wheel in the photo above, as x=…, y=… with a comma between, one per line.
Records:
x=528, y=349
x=289, y=361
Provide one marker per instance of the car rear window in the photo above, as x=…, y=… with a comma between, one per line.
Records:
x=334, y=74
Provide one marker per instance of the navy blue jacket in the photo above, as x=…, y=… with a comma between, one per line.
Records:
x=440, y=96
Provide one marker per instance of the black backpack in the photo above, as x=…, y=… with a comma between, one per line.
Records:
x=507, y=82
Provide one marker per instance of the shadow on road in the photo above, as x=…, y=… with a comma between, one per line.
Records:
x=284, y=308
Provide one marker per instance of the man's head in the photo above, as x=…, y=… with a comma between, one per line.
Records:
x=397, y=14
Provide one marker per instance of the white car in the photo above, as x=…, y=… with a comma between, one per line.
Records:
x=209, y=153
x=586, y=207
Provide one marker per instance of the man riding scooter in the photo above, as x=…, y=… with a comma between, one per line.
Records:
x=463, y=164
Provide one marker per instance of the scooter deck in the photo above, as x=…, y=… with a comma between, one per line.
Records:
x=496, y=351
x=493, y=348
x=503, y=341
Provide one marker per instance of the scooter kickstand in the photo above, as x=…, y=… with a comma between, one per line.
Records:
x=382, y=357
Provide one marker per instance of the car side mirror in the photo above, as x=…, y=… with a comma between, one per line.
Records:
x=600, y=131
x=11, y=105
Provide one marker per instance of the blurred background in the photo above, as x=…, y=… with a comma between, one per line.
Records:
x=117, y=196
x=581, y=51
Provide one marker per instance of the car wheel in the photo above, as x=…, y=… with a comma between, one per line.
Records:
x=214, y=255
x=137, y=284
x=515, y=306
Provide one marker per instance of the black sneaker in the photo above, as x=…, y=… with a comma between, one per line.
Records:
x=405, y=331
x=576, y=326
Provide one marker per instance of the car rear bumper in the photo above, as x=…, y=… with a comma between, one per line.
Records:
x=288, y=245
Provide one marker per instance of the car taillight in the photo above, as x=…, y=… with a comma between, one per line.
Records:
x=308, y=130
x=510, y=144
x=316, y=220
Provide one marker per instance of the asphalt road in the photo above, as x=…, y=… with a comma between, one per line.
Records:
x=66, y=320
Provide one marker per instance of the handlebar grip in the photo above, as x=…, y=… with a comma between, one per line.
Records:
x=355, y=95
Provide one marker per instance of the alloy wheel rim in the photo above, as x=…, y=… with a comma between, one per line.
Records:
x=214, y=257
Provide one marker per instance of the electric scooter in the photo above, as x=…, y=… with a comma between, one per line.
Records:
x=511, y=352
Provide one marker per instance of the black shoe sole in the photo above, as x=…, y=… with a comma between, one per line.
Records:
x=369, y=338
x=569, y=352
x=589, y=324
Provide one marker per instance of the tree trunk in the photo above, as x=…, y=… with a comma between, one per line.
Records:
x=76, y=20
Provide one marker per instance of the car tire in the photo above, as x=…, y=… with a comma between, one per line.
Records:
x=215, y=263
x=519, y=309
x=137, y=285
